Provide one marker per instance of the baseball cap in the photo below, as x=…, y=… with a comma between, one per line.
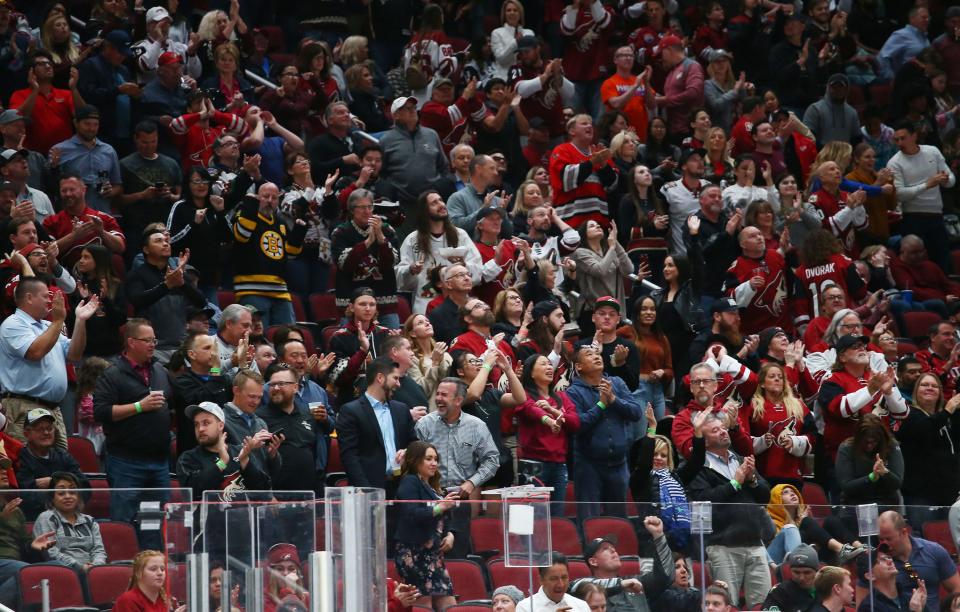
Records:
x=193, y=312
x=486, y=211
x=283, y=552
x=724, y=304
x=543, y=308
x=210, y=407
x=838, y=79
x=8, y=186
x=30, y=248
x=719, y=54
x=527, y=42
x=686, y=154
x=607, y=300
x=158, y=13
x=7, y=155
x=442, y=82
x=594, y=545
x=803, y=556
x=119, y=39
x=400, y=103
x=10, y=115
x=38, y=413
x=87, y=111
x=953, y=11
x=670, y=40
x=845, y=342
x=169, y=57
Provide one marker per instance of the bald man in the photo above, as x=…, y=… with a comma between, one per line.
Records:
x=761, y=283
x=260, y=256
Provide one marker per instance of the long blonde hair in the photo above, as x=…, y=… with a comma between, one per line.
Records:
x=350, y=50
x=710, y=134
x=835, y=151
x=793, y=405
x=72, y=54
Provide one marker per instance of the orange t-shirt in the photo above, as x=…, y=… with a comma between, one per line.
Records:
x=635, y=109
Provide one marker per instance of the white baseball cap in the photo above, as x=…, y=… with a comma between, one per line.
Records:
x=400, y=103
x=158, y=13
x=210, y=407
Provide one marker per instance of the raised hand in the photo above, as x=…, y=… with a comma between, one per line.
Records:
x=58, y=312
x=87, y=308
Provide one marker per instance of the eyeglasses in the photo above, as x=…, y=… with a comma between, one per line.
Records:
x=850, y=325
x=281, y=383
x=459, y=275
x=835, y=298
x=151, y=341
x=702, y=382
x=230, y=143
x=198, y=181
x=290, y=74
x=476, y=361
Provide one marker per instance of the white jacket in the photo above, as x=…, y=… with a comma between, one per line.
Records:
x=503, y=43
x=419, y=284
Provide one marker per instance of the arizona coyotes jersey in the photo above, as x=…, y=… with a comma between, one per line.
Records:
x=767, y=306
x=840, y=219
x=839, y=270
x=546, y=103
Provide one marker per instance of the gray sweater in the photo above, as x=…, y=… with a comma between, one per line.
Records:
x=910, y=174
x=76, y=543
x=830, y=121
x=600, y=275
x=412, y=161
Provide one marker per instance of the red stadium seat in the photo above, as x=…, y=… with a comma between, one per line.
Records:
x=578, y=569
x=107, y=582
x=225, y=298
x=98, y=506
x=939, y=532
x=917, y=324
x=570, y=502
x=403, y=309
x=321, y=534
x=326, y=335
x=120, y=540
x=501, y=575
x=629, y=567
x=486, y=534
x=333, y=460
x=601, y=526
x=83, y=451
x=323, y=308
x=65, y=588
x=467, y=577
x=816, y=499
x=695, y=575
x=299, y=312
x=565, y=537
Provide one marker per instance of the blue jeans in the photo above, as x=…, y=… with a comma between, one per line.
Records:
x=133, y=475
x=555, y=475
x=596, y=484
x=306, y=275
x=783, y=543
x=9, y=593
x=274, y=311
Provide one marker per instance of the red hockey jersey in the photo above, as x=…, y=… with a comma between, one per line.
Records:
x=586, y=54
x=579, y=188
x=767, y=306
x=843, y=400
x=840, y=219
x=776, y=462
x=840, y=271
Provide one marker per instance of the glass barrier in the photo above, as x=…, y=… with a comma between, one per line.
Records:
x=269, y=548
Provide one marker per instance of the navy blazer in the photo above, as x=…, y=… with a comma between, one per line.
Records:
x=416, y=522
x=362, y=450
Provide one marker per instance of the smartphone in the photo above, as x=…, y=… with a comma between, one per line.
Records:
x=450, y=490
x=160, y=185
x=277, y=432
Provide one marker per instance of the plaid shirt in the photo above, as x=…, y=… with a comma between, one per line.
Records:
x=466, y=447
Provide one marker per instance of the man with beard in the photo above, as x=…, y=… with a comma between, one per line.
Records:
x=497, y=255
x=241, y=420
x=421, y=250
x=739, y=495
x=215, y=465
x=853, y=390
x=704, y=383
x=38, y=260
x=374, y=430
x=200, y=382
x=761, y=283
x=413, y=158
x=796, y=594
x=725, y=328
x=92, y=159
x=470, y=455
x=607, y=412
x=398, y=350
x=683, y=196
x=299, y=447
x=544, y=89
x=909, y=370
x=78, y=225
x=549, y=238
x=620, y=356
x=477, y=317
x=714, y=230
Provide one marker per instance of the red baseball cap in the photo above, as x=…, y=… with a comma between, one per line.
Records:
x=670, y=40
x=169, y=57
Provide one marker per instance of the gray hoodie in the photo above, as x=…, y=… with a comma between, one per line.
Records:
x=831, y=121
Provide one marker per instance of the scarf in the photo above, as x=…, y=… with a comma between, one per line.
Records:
x=674, y=509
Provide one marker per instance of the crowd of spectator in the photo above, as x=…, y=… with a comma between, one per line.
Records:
x=664, y=251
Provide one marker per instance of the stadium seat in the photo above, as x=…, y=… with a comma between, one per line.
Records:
x=565, y=537
x=107, y=582
x=177, y=580
x=629, y=567
x=120, y=540
x=321, y=534
x=98, y=506
x=939, y=532
x=323, y=308
x=501, y=575
x=333, y=459
x=695, y=574
x=578, y=569
x=917, y=324
x=403, y=309
x=570, y=502
x=601, y=526
x=816, y=499
x=486, y=535
x=299, y=312
x=325, y=336
x=468, y=581
x=65, y=588
x=83, y=451
x=225, y=298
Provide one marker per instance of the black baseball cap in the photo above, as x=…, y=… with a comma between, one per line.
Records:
x=724, y=304
x=849, y=341
x=690, y=152
x=594, y=545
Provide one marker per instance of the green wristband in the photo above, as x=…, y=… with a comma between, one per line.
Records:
x=137, y=407
x=736, y=485
x=872, y=477
x=544, y=419
x=221, y=464
x=651, y=430
x=487, y=367
x=602, y=405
